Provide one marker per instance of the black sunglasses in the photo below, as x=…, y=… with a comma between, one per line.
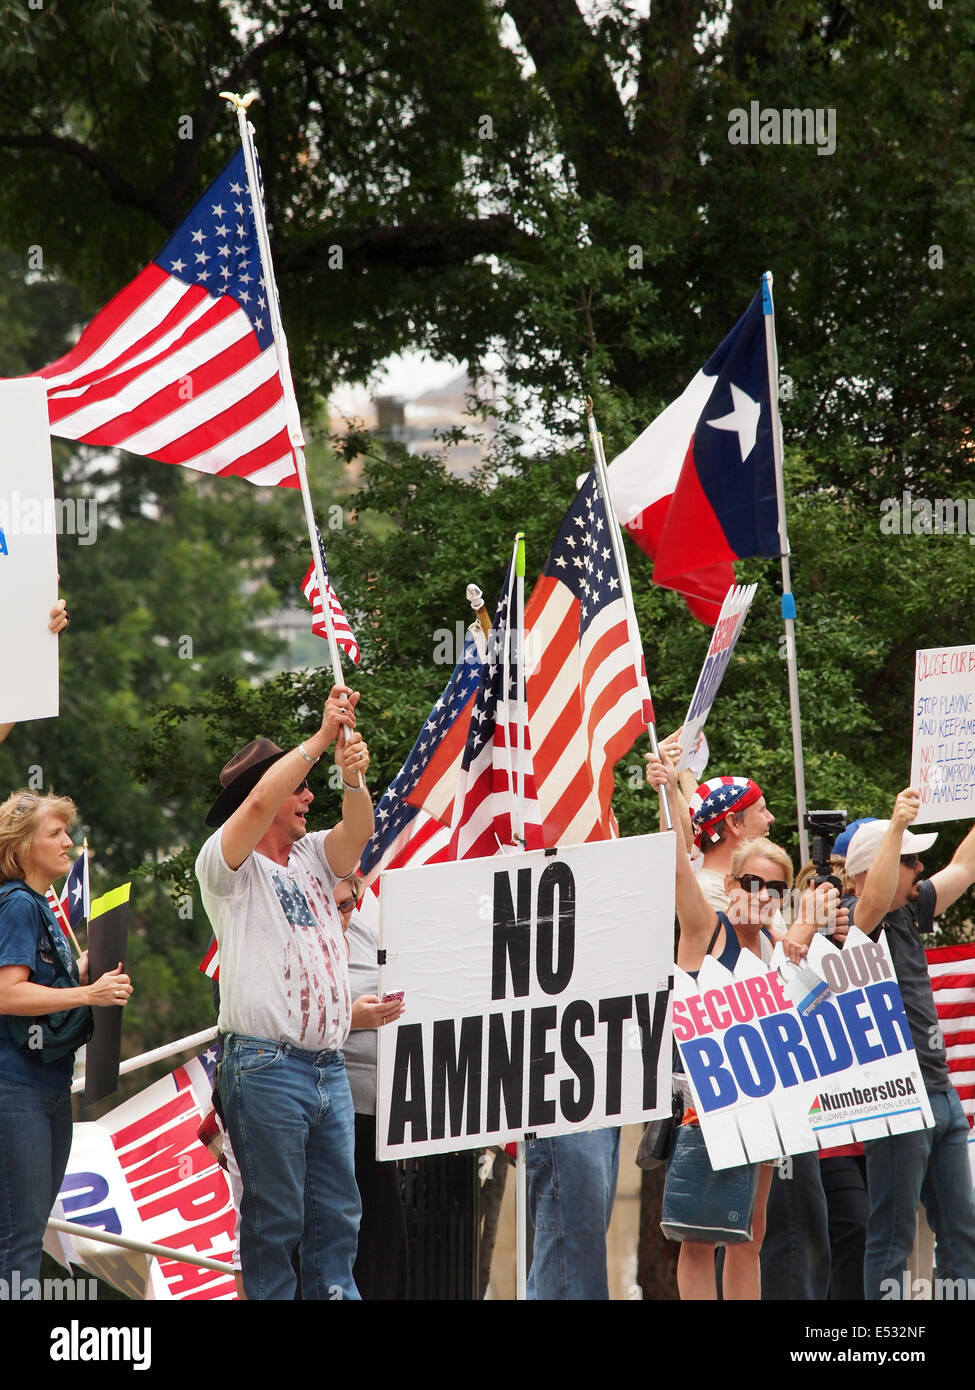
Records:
x=301, y=787
x=347, y=906
x=910, y=861
x=751, y=883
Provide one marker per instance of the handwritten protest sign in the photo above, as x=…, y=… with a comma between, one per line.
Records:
x=727, y=630
x=537, y=990
x=943, y=752
x=772, y=1076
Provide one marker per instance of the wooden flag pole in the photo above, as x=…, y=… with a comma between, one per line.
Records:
x=295, y=435
x=636, y=651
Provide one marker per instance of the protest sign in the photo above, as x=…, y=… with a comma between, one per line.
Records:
x=727, y=629
x=140, y=1171
x=537, y=991
x=28, y=555
x=943, y=752
x=774, y=1073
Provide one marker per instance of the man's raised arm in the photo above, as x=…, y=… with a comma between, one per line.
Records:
x=251, y=821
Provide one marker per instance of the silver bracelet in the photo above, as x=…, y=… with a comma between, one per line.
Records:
x=353, y=789
x=306, y=756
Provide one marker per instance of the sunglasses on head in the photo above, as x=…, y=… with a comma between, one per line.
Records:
x=751, y=883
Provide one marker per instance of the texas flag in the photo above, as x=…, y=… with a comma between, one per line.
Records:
x=696, y=490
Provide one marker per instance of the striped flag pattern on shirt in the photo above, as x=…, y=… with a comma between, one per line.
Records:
x=344, y=635
x=586, y=705
x=181, y=365
x=405, y=833
x=498, y=746
x=952, y=971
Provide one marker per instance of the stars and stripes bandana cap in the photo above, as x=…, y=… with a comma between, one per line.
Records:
x=715, y=799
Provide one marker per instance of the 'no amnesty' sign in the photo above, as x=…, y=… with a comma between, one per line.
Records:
x=537, y=992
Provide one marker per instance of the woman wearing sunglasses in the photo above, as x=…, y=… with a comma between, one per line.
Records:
x=44, y=1017
x=758, y=881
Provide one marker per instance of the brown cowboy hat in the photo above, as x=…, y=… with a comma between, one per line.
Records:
x=240, y=776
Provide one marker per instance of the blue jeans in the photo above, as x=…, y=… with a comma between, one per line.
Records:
x=571, y=1191
x=291, y=1123
x=795, y=1252
x=35, y=1140
x=930, y=1165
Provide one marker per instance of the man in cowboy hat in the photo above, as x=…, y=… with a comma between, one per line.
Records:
x=285, y=1008
x=929, y=1165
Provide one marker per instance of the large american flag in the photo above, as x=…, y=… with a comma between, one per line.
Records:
x=181, y=365
x=586, y=705
x=404, y=833
x=344, y=635
x=498, y=749
x=952, y=971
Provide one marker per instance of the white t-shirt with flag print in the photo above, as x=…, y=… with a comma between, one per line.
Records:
x=283, y=968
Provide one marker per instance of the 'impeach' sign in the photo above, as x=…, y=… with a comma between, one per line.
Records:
x=774, y=1073
x=537, y=990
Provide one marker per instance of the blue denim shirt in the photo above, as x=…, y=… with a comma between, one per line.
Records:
x=24, y=941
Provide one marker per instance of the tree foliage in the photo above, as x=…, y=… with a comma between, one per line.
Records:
x=550, y=184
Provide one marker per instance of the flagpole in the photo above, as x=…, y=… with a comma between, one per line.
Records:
x=295, y=435
x=788, y=599
x=521, y=734
x=633, y=631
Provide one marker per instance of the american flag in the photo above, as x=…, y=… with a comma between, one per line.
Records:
x=210, y=964
x=498, y=748
x=181, y=365
x=586, y=705
x=404, y=833
x=309, y=587
x=952, y=971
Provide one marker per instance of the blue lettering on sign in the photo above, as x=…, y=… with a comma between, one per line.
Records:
x=3, y=542
x=712, y=1081
x=827, y=1039
x=858, y=1027
x=749, y=1061
x=786, y=1045
x=888, y=1010
x=89, y=1188
x=797, y=1049
x=714, y=669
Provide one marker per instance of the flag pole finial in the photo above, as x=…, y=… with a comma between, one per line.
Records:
x=241, y=103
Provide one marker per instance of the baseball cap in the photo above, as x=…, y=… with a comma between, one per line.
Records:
x=865, y=845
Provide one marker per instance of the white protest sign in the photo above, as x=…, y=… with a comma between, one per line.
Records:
x=140, y=1171
x=537, y=991
x=28, y=555
x=727, y=629
x=770, y=1077
x=943, y=751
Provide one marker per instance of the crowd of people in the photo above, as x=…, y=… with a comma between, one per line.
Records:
x=299, y=1013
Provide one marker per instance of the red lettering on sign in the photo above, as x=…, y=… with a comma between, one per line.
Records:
x=154, y=1120
x=683, y=1027
x=761, y=996
x=203, y=1197
x=716, y=1006
x=696, y=1009
x=203, y=1236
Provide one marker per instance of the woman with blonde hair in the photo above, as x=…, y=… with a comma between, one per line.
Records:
x=45, y=1015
